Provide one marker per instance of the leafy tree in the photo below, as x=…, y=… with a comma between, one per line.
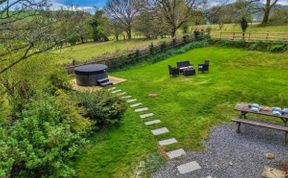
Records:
x=149, y=24
x=99, y=24
x=267, y=9
x=124, y=12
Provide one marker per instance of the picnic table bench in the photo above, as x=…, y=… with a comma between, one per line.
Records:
x=244, y=110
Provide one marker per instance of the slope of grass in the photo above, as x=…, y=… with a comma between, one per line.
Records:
x=187, y=106
x=88, y=51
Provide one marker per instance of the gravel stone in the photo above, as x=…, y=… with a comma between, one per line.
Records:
x=246, y=151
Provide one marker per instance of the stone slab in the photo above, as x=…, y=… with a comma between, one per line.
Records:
x=160, y=131
x=121, y=94
x=141, y=109
x=167, y=141
x=131, y=100
x=188, y=167
x=113, y=88
x=126, y=97
x=135, y=105
x=116, y=91
x=176, y=153
x=143, y=116
x=153, y=122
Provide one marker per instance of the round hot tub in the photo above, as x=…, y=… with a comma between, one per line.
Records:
x=90, y=75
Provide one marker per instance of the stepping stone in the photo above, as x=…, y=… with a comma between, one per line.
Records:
x=189, y=167
x=146, y=115
x=116, y=91
x=121, y=94
x=167, y=141
x=135, y=105
x=160, y=131
x=126, y=97
x=209, y=177
x=176, y=153
x=141, y=109
x=153, y=122
x=131, y=101
x=113, y=88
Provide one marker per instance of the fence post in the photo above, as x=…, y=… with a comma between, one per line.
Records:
x=249, y=36
x=267, y=36
x=233, y=35
x=220, y=35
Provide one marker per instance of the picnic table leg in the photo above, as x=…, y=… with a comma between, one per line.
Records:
x=238, y=128
x=243, y=115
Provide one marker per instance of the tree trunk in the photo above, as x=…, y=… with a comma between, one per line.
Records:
x=266, y=16
x=173, y=33
x=129, y=32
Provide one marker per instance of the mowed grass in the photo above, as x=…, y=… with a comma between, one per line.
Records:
x=84, y=52
x=187, y=106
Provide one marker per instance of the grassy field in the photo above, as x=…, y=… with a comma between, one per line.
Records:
x=88, y=51
x=253, y=28
x=187, y=106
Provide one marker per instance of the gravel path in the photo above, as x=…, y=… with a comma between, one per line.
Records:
x=232, y=155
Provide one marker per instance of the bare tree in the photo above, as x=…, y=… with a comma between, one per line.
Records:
x=124, y=11
x=176, y=12
x=25, y=31
x=268, y=6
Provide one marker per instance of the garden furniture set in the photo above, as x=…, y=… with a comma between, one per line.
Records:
x=187, y=69
x=276, y=112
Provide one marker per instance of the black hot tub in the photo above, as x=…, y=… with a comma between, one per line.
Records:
x=91, y=75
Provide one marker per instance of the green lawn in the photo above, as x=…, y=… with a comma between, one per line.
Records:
x=88, y=51
x=187, y=106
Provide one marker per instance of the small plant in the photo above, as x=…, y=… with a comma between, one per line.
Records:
x=278, y=48
x=163, y=46
x=151, y=48
x=104, y=108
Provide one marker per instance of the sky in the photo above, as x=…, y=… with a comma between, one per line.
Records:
x=89, y=4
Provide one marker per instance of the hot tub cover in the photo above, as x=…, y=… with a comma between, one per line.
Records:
x=90, y=69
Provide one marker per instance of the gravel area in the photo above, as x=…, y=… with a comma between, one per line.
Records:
x=232, y=155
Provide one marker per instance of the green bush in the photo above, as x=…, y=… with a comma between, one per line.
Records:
x=104, y=108
x=43, y=141
x=60, y=80
x=278, y=48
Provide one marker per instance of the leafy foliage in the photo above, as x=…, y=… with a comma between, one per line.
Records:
x=45, y=141
x=103, y=107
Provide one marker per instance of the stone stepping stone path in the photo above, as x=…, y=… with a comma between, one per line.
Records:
x=141, y=109
x=116, y=91
x=113, y=88
x=167, y=141
x=176, y=153
x=131, y=100
x=189, y=167
x=121, y=94
x=146, y=115
x=153, y=122
x=160, y=131
x=182, y=169
x=135, y=105
x=126, y=97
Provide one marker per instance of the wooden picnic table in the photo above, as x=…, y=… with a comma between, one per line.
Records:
x=244, y=109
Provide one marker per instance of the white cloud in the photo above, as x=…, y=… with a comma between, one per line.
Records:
x=58, y=6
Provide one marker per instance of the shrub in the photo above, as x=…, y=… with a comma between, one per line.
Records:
x=151, y=48
x=60, y=80
x=163, y=46
x=186, y=38
x=278, y=48
x=43, y=141
x=104, y=108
